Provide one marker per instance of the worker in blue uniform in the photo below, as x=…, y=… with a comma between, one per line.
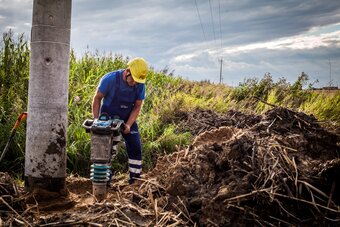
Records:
x=121, y=94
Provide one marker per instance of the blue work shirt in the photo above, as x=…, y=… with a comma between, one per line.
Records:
x=108, y=87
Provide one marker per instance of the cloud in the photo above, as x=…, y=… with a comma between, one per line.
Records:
x=282, y=37
x=14, y=14
x=286, y=57
x=299, y=42
x=264, y=21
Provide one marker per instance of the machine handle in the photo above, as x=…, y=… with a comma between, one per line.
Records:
x=87, y=124
x=118, y=125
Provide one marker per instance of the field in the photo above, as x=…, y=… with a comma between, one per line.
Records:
x=264, y=153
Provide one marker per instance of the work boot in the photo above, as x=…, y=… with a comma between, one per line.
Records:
x=131, y=181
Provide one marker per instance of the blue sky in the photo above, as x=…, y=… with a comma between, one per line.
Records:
x=189, y=37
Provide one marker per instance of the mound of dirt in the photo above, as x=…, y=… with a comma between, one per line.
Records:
x=223, y=133
x=279, y=169
x=200, y=121
x=261, y=175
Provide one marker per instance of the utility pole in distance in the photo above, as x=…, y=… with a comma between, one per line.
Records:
x=45, y=157
x=221, y=79
x=330, y=72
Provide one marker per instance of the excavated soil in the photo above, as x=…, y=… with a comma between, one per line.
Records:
x=281, y=169
x=277, y=169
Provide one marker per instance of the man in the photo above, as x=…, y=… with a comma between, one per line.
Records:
x=121, y=93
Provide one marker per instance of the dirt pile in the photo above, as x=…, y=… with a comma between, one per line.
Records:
x=200, y=121
x=278, y=169
x=282, y=170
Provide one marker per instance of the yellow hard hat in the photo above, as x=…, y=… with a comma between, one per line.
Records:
x=138, y=68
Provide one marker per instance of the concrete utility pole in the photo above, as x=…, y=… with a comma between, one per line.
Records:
x=45, y=158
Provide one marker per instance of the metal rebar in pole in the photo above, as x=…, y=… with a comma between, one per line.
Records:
x=45, y=157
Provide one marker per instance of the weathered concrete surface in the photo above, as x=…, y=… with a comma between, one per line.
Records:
x=45, y=159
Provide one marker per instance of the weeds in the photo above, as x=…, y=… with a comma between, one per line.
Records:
x=167, y=97
x=14, y=70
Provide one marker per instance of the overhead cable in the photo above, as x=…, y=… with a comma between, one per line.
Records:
x=219, y=13
x=199, y=17
x=212, y=21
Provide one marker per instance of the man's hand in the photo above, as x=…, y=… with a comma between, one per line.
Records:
x=96, y=104
x=133, y=116
x=126, y=129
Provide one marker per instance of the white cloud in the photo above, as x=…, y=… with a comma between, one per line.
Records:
x=10, y=28
x=299, y=42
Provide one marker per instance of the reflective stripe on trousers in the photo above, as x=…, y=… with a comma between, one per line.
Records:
x=134, y=151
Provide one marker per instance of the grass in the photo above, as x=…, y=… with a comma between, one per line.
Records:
x=167, y=96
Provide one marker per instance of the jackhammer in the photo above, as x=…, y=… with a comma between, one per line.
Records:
x=105, y=136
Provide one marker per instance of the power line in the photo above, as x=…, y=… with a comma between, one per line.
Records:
x=199, y=16
x=219, y=14
x=212, y=20
x=213, y=26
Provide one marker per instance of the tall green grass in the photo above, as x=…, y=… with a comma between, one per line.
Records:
x=14, y=71
x=167, y=96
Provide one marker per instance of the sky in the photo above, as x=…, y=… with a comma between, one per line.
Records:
x=189, y=37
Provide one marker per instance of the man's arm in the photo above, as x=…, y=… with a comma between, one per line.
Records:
x=133, y=116
x=96, y=103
